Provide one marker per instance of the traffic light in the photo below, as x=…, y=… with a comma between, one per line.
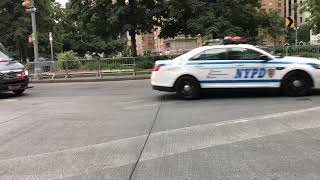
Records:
x=30, y=40
x=26, y=4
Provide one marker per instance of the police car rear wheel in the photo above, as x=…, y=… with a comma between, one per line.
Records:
x=188, y=88
x=297, y=85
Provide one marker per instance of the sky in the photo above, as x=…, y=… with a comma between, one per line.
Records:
x=63, y=2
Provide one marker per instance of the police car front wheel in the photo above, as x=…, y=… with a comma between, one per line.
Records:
x=297, y=84
x=188, y=88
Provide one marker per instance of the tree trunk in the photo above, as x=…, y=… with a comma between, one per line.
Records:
x=133, y=43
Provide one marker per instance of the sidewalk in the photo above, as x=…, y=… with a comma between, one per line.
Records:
x=94, y=79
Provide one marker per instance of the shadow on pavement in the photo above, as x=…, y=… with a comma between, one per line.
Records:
x=240, y=93
x=10, y=95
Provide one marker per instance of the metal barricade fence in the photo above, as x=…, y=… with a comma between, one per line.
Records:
x=103, y=66
x=82, y=67
x=302, y=51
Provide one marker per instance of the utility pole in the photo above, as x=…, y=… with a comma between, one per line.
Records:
x=297, y=35
x=51, y=45
x=29, y=5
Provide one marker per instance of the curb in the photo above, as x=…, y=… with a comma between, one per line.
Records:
x=92, y=80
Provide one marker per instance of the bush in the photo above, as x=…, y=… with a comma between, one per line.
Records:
x=67, y=56
x=308, y=55
x=68, y=59
x=147, y=62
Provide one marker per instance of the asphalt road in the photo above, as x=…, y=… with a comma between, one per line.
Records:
x=125, y=130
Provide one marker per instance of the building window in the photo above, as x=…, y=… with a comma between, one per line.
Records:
x=168, y=45
x=290, y=8
x=301, y=20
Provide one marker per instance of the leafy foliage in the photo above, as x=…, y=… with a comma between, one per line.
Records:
x=211, y=18
x=273, y=25
x=15, y=27
x=314, y=8
x=304, y=33
x=134, y=17
x=99, y=26
x=85, y=33
x=67, y=56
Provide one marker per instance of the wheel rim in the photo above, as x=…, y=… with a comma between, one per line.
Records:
x=187, y=88
x=298, y=85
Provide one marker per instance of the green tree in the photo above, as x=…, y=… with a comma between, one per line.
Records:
x=273, y=25
x=133, y=16
x=211, y=18
x=313, y=6
x=86, y=28
x=15, y=27
x=304, y=33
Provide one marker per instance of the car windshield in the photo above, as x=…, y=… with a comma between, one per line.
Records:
x=4, y=54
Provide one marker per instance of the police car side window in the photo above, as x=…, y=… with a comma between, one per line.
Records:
x=243, y=54
x=216, y=54
x=212, y=54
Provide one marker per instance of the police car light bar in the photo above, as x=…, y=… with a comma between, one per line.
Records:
x=234, y=40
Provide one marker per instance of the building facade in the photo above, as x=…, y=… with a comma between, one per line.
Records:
x=273, y=5
x=145, y=43
x=267, y=6
x=296, y=8
x=150, y=43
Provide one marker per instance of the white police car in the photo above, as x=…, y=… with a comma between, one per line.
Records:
x=235, y=66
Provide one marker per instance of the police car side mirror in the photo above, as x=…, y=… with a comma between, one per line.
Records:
x=265, y=58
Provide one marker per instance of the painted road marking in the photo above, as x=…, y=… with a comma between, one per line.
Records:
x=141, y=106
x=130, y=102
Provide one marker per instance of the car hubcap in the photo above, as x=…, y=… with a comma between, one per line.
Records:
x=297, y=83
x=187, y=88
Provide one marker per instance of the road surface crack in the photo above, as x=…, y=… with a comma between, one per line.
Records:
x=146, y=141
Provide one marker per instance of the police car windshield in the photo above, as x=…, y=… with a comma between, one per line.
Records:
x=189, y=54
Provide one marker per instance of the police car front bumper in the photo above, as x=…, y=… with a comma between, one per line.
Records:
x=162, y=88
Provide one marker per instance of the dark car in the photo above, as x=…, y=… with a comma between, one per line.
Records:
x=14, y=76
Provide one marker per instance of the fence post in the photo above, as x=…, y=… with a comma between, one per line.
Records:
x=134, y=67
x=66, y=69
x=54, y=70
x=99, y=74
x=287, y=50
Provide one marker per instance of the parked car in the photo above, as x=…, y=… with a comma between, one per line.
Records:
x=14, y=76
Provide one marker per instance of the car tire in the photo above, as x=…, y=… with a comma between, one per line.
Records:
x=19, y=92
x=188, y=88
x=297, y=85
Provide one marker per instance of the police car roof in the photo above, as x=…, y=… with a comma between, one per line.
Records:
x=227, y=46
